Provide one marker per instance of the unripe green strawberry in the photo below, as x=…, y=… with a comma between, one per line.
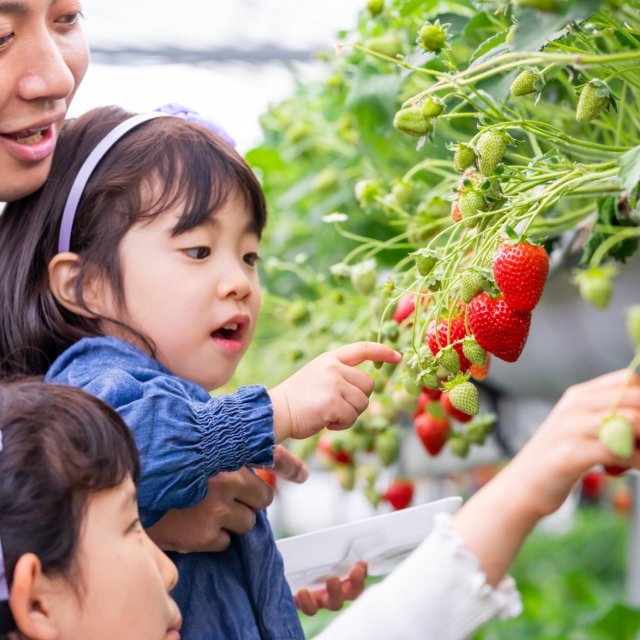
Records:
x=387, y=446
x=524, y=83
x=425, y=261
x=616, y=434
x=465, y=397
x=475, y=433
x=375, y=6
x=463, y=157
x=389, y=45
x=363, y=276
x=340, y=271
x=366, y=192
x=595, y=285
x=403, y=400
x=432, y=36
x=470, y=203
x=472, y=284
x=474, y=352
x=458, y=445
x=346, y=474
x=490, y=146
x=411, y=121
x=298, y=312
x=371, y=495
x=594, y=98
x=432, y=107
x=449, y=359
x=402, y=192
x=633, y=325
x=428, y=378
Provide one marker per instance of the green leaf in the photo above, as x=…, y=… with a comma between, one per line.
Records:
x=608, y=216
x=491, y=47
x=536, y=28
x=629, y=164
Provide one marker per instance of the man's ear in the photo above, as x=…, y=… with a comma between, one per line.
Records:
x=32, y=600
x=64, y=271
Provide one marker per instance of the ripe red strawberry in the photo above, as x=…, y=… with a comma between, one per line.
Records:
x=456, y=414
x=614, y=470
x=334, y=449
x=497, y=328
x=399, y=493
x=267, y=475
x=432, y=431
x=405, y=308
x=520, y=271
x=448, y=334
x=592, y=485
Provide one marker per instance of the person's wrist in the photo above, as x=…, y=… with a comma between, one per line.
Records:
x=282, y=427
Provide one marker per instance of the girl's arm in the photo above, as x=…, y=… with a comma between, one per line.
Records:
x=445, y=589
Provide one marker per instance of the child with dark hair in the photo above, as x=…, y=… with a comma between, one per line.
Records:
x=74, y=558
x=132, y=275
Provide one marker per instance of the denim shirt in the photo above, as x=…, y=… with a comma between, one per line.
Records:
x=185, y=436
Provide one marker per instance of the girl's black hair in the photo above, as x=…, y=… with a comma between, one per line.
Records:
x=59, y=446
x=199, y=171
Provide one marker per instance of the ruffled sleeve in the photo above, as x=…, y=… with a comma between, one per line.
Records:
x=439, y=591
x=183, y=441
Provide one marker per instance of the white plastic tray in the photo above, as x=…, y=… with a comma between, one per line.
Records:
x=381, y=541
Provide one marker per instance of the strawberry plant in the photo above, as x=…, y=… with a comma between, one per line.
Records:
x=420, y=190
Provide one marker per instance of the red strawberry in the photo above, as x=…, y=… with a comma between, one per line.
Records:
x=405, y=307
x=399, y=493
x=456, y=414
x=267, y=475
x=432, y=431
x=497, y=328
x=614, y=470
x=334, y=449
x=448, y=334
x=592, y=486
x=520, y=271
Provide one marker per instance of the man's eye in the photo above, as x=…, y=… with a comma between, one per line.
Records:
x=251, y=259
x=5, y=40
x=69, y=19
x=198, y=253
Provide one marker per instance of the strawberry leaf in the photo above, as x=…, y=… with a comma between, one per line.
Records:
x=629, y=164
x=608, y=216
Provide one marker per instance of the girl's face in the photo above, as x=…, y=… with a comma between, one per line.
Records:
x=123, y=583
x=195, y=296
x=43, y=58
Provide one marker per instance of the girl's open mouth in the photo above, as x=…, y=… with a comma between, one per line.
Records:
x=230, y=331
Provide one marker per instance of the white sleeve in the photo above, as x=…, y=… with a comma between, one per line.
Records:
x=439, y=591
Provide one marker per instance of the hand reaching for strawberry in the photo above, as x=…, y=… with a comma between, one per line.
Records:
x=328, y=392
x=541, y=476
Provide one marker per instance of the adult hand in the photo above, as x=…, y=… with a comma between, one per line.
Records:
x=288, y=466
x=335, y=592
x=328, y=392
x=229, y=507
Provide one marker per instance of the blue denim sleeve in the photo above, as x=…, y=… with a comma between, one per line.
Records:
x=183, y=442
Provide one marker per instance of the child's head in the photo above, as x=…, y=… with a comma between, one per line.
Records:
x=162, y=252
x=77, y=561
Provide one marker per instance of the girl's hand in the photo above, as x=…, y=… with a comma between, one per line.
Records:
x=497, y=519
x=328, y=392
x=567, y=443
x=335, y=592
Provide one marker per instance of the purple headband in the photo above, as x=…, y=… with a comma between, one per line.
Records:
x=102, y=148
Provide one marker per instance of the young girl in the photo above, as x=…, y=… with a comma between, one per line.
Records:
x=73, y=554
x=133, y=276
